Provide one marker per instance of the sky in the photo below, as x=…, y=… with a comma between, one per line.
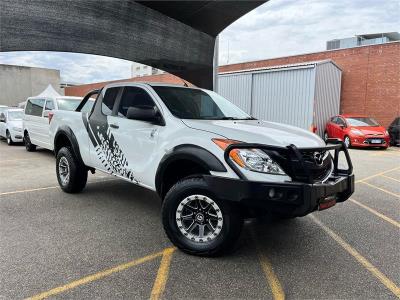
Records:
x=275, y=29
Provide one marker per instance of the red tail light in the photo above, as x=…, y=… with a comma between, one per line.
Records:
x=51, y=114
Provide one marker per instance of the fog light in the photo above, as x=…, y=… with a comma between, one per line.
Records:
x=293, y=197
x=271, y=193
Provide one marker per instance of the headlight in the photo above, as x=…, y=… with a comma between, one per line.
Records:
x=251, y=159
x=17, y=129
x=386, y=132
x=356, y=132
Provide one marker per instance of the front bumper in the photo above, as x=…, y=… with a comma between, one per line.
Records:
x=295, y=198
x=366, y=141
x=289, y=198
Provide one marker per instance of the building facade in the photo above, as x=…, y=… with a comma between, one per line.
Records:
x=17, y=83
x=363, y=40
x=139, y=70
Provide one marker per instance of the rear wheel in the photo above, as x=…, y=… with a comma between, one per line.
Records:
x=71, y=173
x=28, y=144
x=9, y=138
x=347, y=141
x=197, y=222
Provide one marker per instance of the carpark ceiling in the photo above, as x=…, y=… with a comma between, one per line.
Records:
x=175, y=36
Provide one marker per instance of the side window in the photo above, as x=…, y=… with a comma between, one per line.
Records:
x=134, y=97
x=340, y=121
x=334, y=120
x=49, y=105
x=34, y=107
x=109, y=100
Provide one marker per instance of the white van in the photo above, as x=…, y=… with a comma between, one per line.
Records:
x=37, y=117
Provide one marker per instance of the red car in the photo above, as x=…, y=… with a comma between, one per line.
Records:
x=357, y=131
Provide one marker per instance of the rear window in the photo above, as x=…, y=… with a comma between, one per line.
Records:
x=68, y=104
x=34, y=107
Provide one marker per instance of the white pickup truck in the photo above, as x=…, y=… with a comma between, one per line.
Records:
x=211, y=164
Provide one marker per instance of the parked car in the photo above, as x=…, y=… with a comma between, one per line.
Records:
x=11, y=125
x=211, y=164
x=394, y=132
x=357, y=131
x=37, y=117
x=3, y=108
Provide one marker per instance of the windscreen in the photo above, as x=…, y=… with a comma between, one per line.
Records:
x=187, y=103
x=15, y=115
x=72, y=104
x=361, y=121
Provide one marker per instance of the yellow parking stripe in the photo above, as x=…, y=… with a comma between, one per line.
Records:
x=162, y=275
x=29, y=190
x=378, y=174
x=390, y=178
x=96, y=276
x=387, y=219
x=47, y=188
x=361, y=259
x=381, y=189
x=272, y=279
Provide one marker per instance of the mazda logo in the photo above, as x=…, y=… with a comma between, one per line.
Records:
x=318, y=158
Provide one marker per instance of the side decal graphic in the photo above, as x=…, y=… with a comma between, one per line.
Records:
x=108, y=151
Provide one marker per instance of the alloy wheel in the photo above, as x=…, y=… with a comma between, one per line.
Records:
x=63, y=170
x=199, y=218
x=347, y=141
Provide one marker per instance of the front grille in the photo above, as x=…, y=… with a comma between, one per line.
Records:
x=369, y=141
x=309, y=170
x=319, y=170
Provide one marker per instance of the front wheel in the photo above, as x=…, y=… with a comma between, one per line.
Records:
x=347, y=142
x=197, y=222
x=9, y=139
x=71, y=173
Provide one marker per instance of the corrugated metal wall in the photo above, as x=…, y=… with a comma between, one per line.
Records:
x=237, y=89
x=327, y=94
x=301, y=96
x=279, y=96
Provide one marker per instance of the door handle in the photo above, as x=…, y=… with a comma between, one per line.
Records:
x=114, y=126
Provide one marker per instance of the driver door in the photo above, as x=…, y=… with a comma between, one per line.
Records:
x=136, y=140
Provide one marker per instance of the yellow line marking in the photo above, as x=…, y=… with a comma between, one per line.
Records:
x=272, y=279
x=18, y=159
x=361, y=259
x=390, y=178
x=96, y=276
x=29, y=190
x=162, y=275
x=46, y=188
x=378, y=174
x=381, y=189
x=373, y=211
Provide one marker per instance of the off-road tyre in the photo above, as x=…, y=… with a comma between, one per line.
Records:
x=227, y=237
x=77, y=171
x=28, y=144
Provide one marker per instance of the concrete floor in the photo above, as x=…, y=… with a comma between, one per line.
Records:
x=108, y=241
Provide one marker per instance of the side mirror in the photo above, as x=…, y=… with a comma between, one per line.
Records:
x=46, y=113
x=2, y=118
x=147, y=114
